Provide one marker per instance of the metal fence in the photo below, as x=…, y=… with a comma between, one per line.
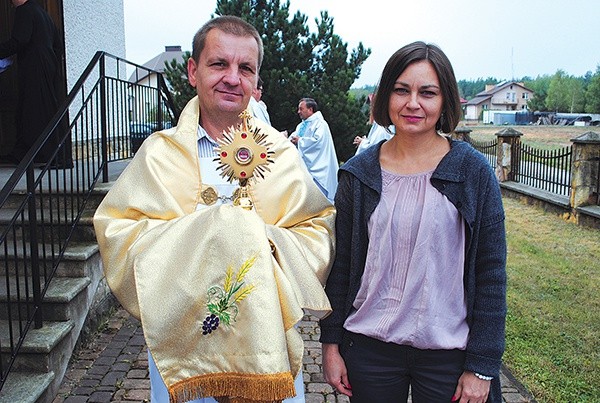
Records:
x=42, y=202
x=548, y=170
x=598, y=182
x=487, y=148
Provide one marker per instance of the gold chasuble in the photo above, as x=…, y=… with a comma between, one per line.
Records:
x=218, y=290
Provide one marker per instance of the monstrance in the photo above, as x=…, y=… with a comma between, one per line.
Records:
x=243, y=154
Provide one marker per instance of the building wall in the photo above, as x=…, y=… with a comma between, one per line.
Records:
x=91, y=26
x=472, y=112
x=514, y=101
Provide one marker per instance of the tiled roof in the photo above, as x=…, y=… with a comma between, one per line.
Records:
x=501, y=86
x=479, y=99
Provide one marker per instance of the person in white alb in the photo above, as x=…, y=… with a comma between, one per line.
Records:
x=257, y=105
x=376, y=135
x=315, y=144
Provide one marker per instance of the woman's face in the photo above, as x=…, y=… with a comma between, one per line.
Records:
x=416, y=101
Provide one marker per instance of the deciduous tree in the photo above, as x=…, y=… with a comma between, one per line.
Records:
x=539, y=86
x=565, y=93
x=592, y=95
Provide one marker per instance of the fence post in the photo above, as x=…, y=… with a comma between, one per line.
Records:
x=36, y=277
x=585, y=166
x=508, y=157
x=462, y=133
x=103, y=120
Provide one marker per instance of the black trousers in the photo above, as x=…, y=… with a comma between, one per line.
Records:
x=384, y=372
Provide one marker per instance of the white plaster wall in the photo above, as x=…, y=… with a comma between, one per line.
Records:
x=90, y=26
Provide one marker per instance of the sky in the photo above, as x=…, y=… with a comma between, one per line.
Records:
x=482, y=38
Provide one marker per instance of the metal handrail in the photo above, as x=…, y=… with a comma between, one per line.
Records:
x=91, y=129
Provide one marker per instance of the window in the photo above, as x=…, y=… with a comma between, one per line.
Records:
x=525, y=95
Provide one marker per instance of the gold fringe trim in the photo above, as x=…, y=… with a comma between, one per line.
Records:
x=235, y=388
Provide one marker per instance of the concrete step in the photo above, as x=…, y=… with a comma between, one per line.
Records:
x=52, y=225
x=77, y=187
x=25, y=387
x=56, y=200
x=42, y=350
x=79, y=259
x=64, y=298
x=78, y=295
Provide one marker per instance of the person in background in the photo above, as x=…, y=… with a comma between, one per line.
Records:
x=315, y=144
x=258, y=106
x=418, y=285
x=376, y=133
x=37, y=45
x=218, y=287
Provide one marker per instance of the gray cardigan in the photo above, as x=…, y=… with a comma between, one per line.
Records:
x=465, y=177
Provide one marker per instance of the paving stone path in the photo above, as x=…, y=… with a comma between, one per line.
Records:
x=113, y=367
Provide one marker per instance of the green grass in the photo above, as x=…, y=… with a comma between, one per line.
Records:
x=553, y=322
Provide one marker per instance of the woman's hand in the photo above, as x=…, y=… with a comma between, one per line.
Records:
x=471, y=389
x=334, y=369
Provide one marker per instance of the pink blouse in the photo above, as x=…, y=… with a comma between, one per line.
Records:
x=412, y=289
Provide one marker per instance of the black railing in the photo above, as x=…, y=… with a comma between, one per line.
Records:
x=41, y=203
x=598, y=181
x=548, y=170
x=487, y=148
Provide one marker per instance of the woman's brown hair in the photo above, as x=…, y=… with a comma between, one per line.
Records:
x=398, y=62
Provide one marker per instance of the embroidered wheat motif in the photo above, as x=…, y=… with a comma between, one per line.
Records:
x=222, y=301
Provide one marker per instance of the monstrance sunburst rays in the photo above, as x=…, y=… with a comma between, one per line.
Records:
x=243, y=153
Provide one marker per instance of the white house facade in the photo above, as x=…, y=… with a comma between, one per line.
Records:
x=506, y=96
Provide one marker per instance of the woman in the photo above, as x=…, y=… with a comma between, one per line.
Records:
x=418, y=286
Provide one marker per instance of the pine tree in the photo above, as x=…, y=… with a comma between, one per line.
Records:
x=176, y=76
x=300, y=64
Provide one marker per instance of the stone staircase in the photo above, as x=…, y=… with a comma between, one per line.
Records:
x=76, y=301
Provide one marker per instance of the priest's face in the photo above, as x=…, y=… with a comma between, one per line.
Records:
x=303, y=111
x=225, y=74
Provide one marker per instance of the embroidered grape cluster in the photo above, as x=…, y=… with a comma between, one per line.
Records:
x=223, y=301
x=210, y=323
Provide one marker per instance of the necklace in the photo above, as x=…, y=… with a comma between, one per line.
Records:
x=210, y=196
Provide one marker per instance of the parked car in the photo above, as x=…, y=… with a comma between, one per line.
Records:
x=139, y=131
